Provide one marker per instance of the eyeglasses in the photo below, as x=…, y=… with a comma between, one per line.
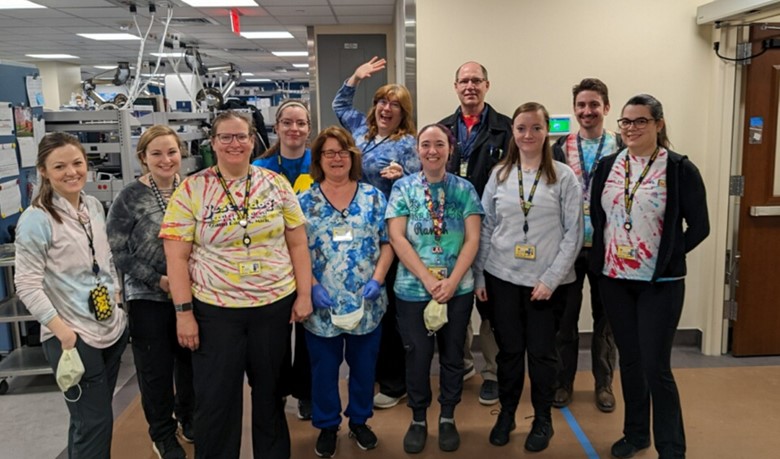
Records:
x=287, y=124
x=639, y=123
x=382, y=103
x=227, y=139
x=330, y=154
x=475, y=81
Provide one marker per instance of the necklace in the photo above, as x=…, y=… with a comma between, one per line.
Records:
x=163, y=203
x=243, y=220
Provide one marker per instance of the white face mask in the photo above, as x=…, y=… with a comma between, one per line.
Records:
x=70, y=369
x=350, y=320
x=435, y=316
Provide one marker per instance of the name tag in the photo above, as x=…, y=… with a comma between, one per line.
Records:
x=626, y=252
x=439, y=272
x=586, y=208
x=249, y=268
x=342, y=234
x=525, y=251
x=464, y=166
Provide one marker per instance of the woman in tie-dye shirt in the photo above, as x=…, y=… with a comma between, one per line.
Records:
x=648, y=210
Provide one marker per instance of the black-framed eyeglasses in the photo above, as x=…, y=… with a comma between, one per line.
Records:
x=226, y=139
x=475, y=81
x=639, y=123
x=330, y=154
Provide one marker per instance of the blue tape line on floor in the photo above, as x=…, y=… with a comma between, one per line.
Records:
x=581, y=437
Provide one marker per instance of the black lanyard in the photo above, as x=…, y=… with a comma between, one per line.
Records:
x=156, y=191
x=87, y=227
x=243, y=220
x=437, y=215
x=526, y=204
x=629, y=197
x=370, y=147
x=588, y=173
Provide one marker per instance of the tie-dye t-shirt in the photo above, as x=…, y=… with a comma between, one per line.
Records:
x=344, y=252
x=632, y=254
x=408, y=200
x=590, y=149
x=223, y=271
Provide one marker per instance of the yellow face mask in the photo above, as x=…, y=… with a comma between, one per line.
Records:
x=70, y=369
x=435, y=316
x=350, y=320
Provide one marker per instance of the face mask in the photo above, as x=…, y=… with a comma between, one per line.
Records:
x=70, y=369
x=435, y=316
x=350, y=320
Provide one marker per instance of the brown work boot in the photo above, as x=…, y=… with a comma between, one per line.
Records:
x=562, y=397
x=605, y=400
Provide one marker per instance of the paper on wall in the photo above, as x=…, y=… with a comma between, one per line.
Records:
x=6, y=119
x=9, y=167
x=27, y=151
x=10, y=198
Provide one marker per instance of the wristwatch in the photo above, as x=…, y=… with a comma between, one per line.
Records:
x=184, y=307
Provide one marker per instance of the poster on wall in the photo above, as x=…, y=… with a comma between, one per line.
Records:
x=34, y=91
x=24, y=121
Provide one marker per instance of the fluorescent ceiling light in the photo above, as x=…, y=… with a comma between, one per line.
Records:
x=52, y=56
x=258, y=80
x=247, y=74
x=219, y=3
x=176, y=54
x=105, y=67
x=156, y=75
x=290, y=53
x=18, y=5
x=301, y=66
x=268, y=35
x=108, y=36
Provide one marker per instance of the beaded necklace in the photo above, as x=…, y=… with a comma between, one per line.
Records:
x=163, y=203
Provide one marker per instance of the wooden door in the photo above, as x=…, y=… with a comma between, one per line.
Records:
x=757, y=328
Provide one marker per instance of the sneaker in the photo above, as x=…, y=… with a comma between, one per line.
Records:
x=414, y=440
x=623, y=449
x=365, y=438
x=505, y=424
x=326, y=442
x=385, y=401
x=469, y=372
x=449, y=438
x=169, y=449
x=539, y=437
x=605, y=400
x=304, y=410
x=488, y=393
x=562, y=396
x=187, y=432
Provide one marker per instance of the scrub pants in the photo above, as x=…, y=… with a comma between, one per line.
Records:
x=391, y=365
x=91, y=416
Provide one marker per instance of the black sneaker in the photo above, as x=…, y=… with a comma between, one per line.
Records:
x=304, y=410
x=169, y=449
x=326, y=443
x=539, y=437
x=505, y=424
x=449, y=438
x=365, y=438
x=623, y=448
x=414, y=440
x=187, y=431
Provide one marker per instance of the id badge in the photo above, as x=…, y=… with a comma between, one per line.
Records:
x=626, y=252
x=342, y=234
x=662, y=183
x=586, y=208
x=464, y=168
x=439, y=272
x=249, y=268
x=525, y=251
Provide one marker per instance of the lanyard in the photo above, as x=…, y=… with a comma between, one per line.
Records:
x=244, y=221
x=629, y=197
x=525, y=205
x=156, y=191
x=87, y=227
x=288, y=174
x=437, y=215
x=588, y=173
x=370, y=147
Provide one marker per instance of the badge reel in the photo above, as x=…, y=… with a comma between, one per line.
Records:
x=342, y=234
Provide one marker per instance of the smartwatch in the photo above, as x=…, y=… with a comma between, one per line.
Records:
x=184, y=307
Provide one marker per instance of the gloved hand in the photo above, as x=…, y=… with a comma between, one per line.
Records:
x=372, y=290
x=320, y=297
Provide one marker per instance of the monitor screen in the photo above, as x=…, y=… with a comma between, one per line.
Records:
x=560, y=124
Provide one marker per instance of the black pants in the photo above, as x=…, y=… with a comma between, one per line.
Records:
x=419, y=346
x=296, y=372
x=522, y=325
x=160, y=363
x=91, y=416
x=234, y=341
x=602, y=350
x=644, y=318
x=391, y=364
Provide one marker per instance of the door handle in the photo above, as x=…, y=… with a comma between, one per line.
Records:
x=765, y=211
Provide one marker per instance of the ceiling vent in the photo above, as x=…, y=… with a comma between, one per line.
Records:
x=193, y=21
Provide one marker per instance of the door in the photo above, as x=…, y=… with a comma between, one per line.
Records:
x=756, y=330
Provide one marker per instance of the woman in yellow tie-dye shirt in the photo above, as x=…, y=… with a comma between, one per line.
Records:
x=240, y=273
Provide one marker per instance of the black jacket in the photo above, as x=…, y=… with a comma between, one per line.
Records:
x=489, y=147
x=685, y=200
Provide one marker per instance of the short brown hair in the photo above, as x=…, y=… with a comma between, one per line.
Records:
x=232, y=114
x=392, y=92
x=346, y=142
x=591, y=84
x=50, y=142
x=148, y=136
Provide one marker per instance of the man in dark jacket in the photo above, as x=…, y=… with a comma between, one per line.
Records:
x=483, y=137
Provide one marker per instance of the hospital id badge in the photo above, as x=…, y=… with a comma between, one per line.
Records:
x=586, y=209
x=626, y=252
x=525, y=251
x=249, y=268
x=439, y=272
x=464, y=168
x=342, y=234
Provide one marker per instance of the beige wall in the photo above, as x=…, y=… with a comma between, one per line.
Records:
x=537, y=50
x=60, y=80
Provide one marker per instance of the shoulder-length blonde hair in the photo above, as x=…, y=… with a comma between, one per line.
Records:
x=346, y=142
x=393, y=93
x=512, y=158
x=148, y=136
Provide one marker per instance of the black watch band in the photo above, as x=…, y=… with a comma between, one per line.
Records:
x=184, y=307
